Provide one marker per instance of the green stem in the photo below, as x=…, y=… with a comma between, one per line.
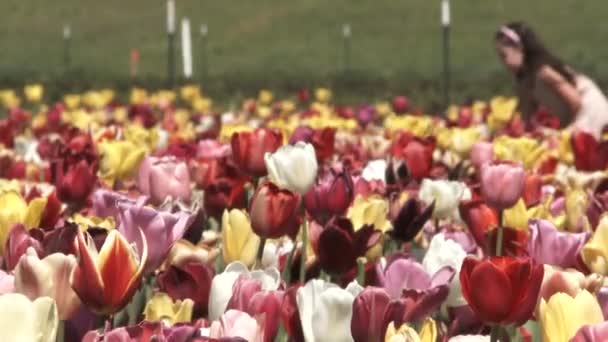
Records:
x=361, y=271
x=304, y=245
x=287, y=270
x=261, y=252
x=499, y=235
x=60, y=332
x=495, y=333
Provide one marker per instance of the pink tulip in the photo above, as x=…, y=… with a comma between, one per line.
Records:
x=160, y=178
x=212, y=149
x=236, y=323
x=161, y=230
x=19, y=240
x=592, y=333
x=502, y=184
x=482, y=153
x=545, y=240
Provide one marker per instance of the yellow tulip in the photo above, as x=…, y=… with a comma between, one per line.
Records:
x=239, y=241
x=265, y=97
x=79, y=119
x=370, y=210
x=33, y=92
x=119, y=160
x=517, y=217
x=138, y=96
x=419, y=125
x=162, y=308
x=228, y=129
x=595, y=251
x=323, y=95
x=120, y=115
x=14, y=209
x=452, y=113
x=141, y=136
x=565, y=148
x=94, y=99
x=202, y=104
x=72, y=101
x=383, y=108
x=502, y=110
x=576, y=205
x=288, y=107
x=10, y=99
x=562, y=315
x=107, y=95
x=86, y=222
x=428, y=333
x=190, y=92
x=525, y=150
x=458, y=140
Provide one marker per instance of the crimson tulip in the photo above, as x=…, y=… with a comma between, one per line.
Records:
x=249, y=148
x=338, y=245
x=190, y=280
x=272, y=209
x=331, y=195
x=416, y=152
x=532, y=193
x=400, y=104
x=502, y=184
x=479, y=218
x=74, y=183
x=501, y=290
x=106, y=280
x=589, y=154
x=291, y=315
x=222, y=194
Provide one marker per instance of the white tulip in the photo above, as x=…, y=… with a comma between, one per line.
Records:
x=375, y=170
x=28, y=150
x=447, y=196
x=25, y=320
x=221, y=285
x=326, y=310
x=293, y=167
x=444, y=252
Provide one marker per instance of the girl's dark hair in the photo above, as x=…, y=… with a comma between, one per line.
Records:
x=535, y=53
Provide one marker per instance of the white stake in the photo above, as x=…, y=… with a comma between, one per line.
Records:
x=445, y=13
x=187, y=48
x=170, y=16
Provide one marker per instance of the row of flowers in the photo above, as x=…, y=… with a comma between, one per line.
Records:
x=297, y=220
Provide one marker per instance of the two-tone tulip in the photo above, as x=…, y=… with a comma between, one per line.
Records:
x=105, y=280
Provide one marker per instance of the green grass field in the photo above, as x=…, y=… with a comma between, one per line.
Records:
x=283, y=45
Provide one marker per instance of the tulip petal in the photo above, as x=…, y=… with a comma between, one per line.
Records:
x=495, y=301
x=86, y=279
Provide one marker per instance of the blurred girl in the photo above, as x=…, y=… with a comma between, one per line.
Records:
x=544, y=80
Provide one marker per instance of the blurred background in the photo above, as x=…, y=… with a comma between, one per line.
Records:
x=395, y=46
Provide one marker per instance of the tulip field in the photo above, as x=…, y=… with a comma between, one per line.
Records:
x=164, y=218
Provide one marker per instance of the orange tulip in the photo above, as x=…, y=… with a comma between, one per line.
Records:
x=106, y=280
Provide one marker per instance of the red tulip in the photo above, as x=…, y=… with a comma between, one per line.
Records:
x=323, y=140
x=501, y=290
x=589, y=154
x=532, y=189
x=249, y=148
x=291, y=315
x=401, y=104
x=502, y=184
x=332, y=195
x=479, y=218
x=416, y=152
x=272, y=209
x=105, y=280
x=191, y=280
x=224, y=193
x=52, y=211
x=338, y=246
x=74, y=183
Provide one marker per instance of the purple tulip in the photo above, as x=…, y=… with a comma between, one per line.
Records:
x=366, y=114
x=106, y=202
x=151, y=331
x=161, y=230
x=592, y=333
x=549, y=246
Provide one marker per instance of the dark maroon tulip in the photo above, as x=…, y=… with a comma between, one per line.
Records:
x=19, y=240
x=74, y=182
x=191, y=280
x=410, y=220
x=61, y=239
x=332, y=195
x=401, y=104
x=338, y=245
x=150, y=331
